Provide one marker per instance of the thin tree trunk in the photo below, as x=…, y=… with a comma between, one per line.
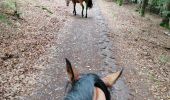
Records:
x=144, y=4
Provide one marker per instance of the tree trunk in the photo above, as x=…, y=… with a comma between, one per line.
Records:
x=144, y=4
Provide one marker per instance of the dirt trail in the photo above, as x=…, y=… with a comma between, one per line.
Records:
x=85, y=42
x=110, y=38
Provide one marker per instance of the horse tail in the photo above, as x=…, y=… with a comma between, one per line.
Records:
x=90, y=4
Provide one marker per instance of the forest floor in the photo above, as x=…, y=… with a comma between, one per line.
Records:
x=29, y=47
x=24, y=41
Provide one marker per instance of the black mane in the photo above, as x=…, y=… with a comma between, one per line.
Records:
x=83, y=88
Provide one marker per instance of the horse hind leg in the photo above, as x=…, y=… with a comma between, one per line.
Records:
x=82, y=9
x=86, y=10
x=74, y=11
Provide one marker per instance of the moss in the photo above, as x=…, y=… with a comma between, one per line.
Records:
x=4, y=19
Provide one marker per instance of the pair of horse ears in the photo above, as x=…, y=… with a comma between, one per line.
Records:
x=109, y=80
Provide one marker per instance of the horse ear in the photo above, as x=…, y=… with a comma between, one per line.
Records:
x=71, y=71
x=109, y=80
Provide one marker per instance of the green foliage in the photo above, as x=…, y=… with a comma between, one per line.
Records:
x=164, y=25
x=4, y=19
x=166, y=13
x=164, y=59
x=162, y=5
x=11, y=4
x=10, y=7
x=120, y=2
x=142, y=12
x=154, y=2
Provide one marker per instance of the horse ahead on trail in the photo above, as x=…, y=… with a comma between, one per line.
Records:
x=89, y=4
x=89, y=86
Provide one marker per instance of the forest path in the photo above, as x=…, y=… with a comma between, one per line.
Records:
x=32, y=50
x=101, y=44
x=85, y=42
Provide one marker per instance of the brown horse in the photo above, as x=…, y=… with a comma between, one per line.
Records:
x=89, y=86
x=89, y=4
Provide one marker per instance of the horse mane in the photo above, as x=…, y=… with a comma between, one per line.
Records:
x=83, y=88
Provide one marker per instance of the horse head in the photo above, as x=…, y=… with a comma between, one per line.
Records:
x=89, y=86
